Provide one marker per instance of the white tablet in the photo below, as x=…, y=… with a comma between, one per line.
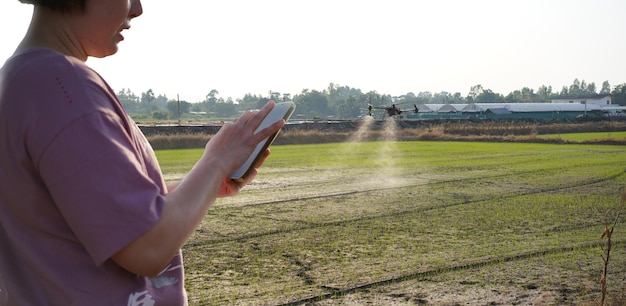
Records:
x=281, y=110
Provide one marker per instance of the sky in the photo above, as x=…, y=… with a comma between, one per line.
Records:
x=187, y=48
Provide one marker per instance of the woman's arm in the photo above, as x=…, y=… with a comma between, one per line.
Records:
x=187, y=203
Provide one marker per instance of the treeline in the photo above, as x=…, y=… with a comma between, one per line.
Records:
x=342, y=102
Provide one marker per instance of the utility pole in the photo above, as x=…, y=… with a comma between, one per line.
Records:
x=178, y=107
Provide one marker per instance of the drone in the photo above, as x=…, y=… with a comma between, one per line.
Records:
x=392, y=110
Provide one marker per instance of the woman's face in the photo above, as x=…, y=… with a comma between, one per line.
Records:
x=100, y=26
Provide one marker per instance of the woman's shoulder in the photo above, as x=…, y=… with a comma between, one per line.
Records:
x=44, y=83
x=47, y=69
x=41, y=67
x=41, y=61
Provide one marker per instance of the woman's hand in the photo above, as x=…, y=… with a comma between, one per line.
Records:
x=232, y=187
x=186, y=203
x=235, y=141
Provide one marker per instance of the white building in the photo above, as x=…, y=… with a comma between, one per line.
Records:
x=604, y=99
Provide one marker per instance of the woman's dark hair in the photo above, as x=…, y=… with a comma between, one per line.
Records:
x=65, y=6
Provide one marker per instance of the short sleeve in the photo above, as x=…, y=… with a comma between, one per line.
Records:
x=96, y=177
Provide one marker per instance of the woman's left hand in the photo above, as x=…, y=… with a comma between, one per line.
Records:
x=232, y=187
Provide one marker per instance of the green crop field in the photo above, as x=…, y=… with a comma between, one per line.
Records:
x=578, y=137
x=405, y=223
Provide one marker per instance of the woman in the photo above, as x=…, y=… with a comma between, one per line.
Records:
x=85, y=216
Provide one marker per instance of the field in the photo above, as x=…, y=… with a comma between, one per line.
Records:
x=580, y=137
x=413, y=222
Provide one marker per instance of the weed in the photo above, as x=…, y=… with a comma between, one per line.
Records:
x=492, y=131
x=606, y=251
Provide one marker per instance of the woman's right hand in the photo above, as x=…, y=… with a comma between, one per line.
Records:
x=236, y=140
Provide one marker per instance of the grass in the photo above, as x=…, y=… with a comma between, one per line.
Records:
x=580, y=137
x=411, y=222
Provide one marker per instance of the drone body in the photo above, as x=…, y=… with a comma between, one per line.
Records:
x=392, y=110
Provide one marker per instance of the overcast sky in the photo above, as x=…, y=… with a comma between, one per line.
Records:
x=189, y=47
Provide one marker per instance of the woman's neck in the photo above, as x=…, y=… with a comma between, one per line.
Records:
x=52, y=30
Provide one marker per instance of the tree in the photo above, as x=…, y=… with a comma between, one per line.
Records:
x=211, y=97
x=129, y=100
x=160, y=101
x=225, y=109
x=314, y=103
x=147, y=97
x=520, y=96
x=147, y=104
x=457, y=98
x=606, y=88
x=574, y=89
x=544, y=93
x=351, y=108
x=248, y=102
x=275, y=96
x=488, y=96
x=513, y=97
x=347, y=102
x=581, y=88
x=261, y=102
x=619, y=94
x=160, y=115
x=591, y=88
x=173, y=108
x=424, y=97
x=474, y=92
x=332, y=89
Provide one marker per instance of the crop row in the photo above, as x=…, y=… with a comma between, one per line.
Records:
x=335, y=226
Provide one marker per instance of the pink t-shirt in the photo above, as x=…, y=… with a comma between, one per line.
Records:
x=78, y=182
